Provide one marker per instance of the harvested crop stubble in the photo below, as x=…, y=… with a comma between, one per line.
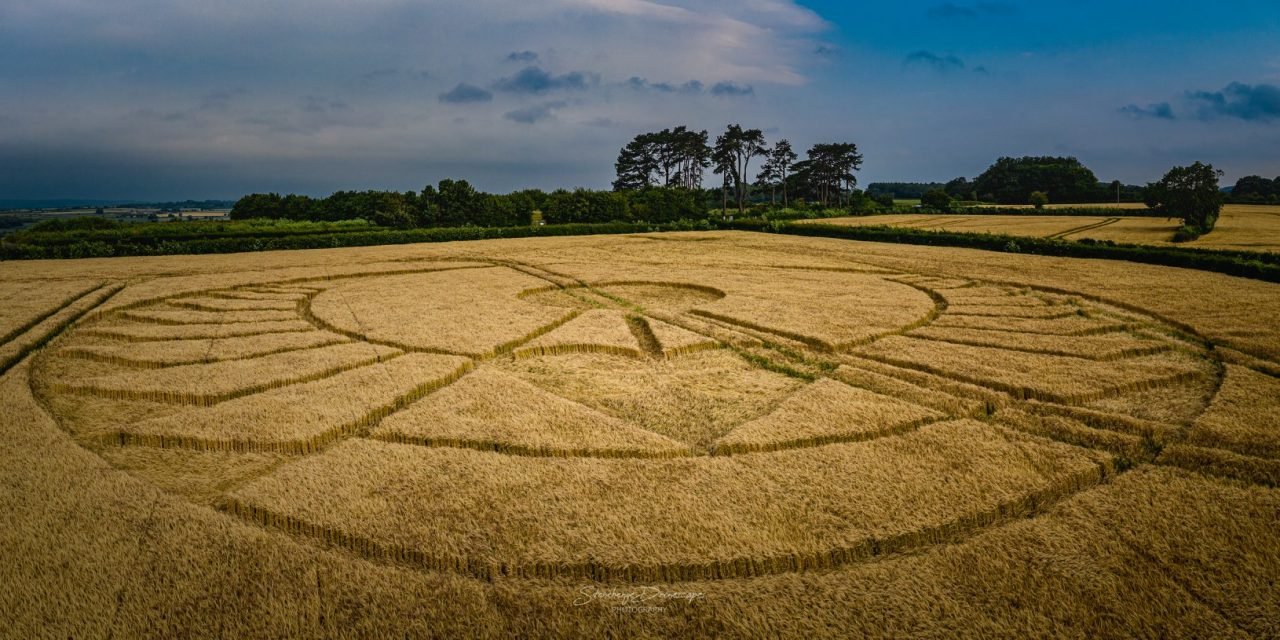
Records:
x=474, y=311
x=495, y=411
x=693, y=399
x=228, y=304
x=208, y=384
x=1074, y=325
x=303, y=418
x=1036, y=376
x=166, y=353
x=137, y=332
x=488, y=515
x=1244, y=416
x=594, y=331
x=168, y=315
x=1109, y=346
x=826, y=412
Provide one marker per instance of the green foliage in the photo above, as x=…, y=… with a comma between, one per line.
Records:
x=1011, y=180
x=360, y=234
x=938, y=200
x=1190, y=193
x=82, y=223
x=1038, y=199
x=1256, y=190
x=1246, y=264
x=903, y=190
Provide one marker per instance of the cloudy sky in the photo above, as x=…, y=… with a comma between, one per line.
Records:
x=216, y=98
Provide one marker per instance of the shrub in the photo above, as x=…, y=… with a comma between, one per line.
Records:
x=938, y=200
x=1039, y=199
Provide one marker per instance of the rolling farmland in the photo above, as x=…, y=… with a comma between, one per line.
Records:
x=1241, y=227
x=707, y=434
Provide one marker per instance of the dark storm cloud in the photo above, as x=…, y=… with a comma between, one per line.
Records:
x=534, y=114
x=465, y=94
x=930, y=60
x=537, y=80
x=1161, y=111
x=522, y=56
x=732, y=90
x=1259, y=103
x=641, y=84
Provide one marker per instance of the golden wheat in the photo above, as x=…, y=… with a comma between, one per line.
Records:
x=494, y=411
x=826, y=412
x=166, y=353
x=208, y=384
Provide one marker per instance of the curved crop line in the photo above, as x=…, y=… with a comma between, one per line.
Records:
x=746, y=448
x=939, y=308
x=1123, y=354
x=1222, y=463
x=32, y=322
x=1061, y=315
x=303, y=446
x=1029, y=393
x=514, y=449
x=124, y=337
x=136, y=363
x=1078, y=333
x=62, y=325
x=135, y=316
x=307, y=314
x=210, y=399
x=956, y=530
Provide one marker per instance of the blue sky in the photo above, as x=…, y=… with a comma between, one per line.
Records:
x=185, y=98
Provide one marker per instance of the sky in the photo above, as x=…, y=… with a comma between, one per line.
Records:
x=175, y=99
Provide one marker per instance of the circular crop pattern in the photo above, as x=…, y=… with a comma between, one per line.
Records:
x=502, y=419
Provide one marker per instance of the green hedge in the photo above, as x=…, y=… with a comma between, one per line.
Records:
x=132, y=246
x=1246, y=264
x=1104, y=212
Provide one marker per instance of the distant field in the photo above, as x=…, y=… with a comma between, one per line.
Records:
x=1241, y=227
x=493, y=438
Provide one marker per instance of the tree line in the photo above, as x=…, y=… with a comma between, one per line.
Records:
x=1256, y=190
x=456, y=203
x=679, y=157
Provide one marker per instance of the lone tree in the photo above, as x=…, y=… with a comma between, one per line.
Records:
x=1190, y=193
x=937, y=199
x=1038, y=199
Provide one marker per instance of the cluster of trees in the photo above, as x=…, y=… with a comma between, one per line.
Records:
x=455, y=203
x=1256, y=190
x=677, y=158
x=1014, y=180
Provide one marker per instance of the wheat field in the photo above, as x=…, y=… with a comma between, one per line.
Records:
x=712, y=434
x=1241, y=227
